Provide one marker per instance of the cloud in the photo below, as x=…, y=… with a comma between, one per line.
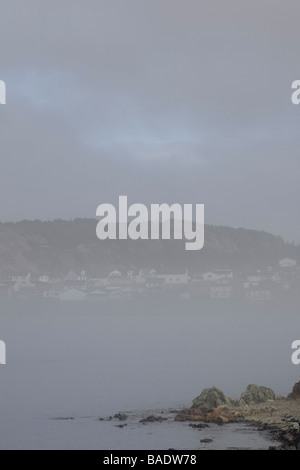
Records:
x=168, y=100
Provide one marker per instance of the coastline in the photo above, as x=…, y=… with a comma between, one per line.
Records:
x=281, y=419
x=279, y=416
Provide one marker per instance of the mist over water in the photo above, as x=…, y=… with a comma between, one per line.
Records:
x=95, y=359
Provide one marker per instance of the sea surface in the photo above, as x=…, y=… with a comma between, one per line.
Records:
x=73, y=365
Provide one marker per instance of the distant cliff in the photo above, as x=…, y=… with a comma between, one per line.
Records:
x=56, y=247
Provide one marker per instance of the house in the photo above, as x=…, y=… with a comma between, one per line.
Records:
x=145, y=273
x=72, y=280
x=155, y=283
x=174, y=277
x=217, y=275
x=51, y=294
x=100, y=282
x=118, y=279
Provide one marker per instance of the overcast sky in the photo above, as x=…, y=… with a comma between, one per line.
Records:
x=163, y=100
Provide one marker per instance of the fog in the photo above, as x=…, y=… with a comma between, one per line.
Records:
x=170, y=101
x=88, y=361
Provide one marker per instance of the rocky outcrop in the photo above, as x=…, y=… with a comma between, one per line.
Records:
x=295, y=395
x=258, y=406
x=211, y=406
x=256, y=394
x=210, y=398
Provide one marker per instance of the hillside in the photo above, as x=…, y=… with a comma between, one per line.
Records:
x=58, y=246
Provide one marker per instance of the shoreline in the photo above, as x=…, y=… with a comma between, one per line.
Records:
x=258, y=406
x=280, y=419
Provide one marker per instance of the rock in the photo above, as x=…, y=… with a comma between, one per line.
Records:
x=221, y=415
x=199, y=426
x=152, y=419
x=121, y=416
x=295, y=395
x=206, y=441
x=64, y=418
x=210, y=398
x=224, y=415
x=256, y=394
x=192, y=414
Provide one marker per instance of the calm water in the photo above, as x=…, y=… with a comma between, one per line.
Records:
x=87, y=361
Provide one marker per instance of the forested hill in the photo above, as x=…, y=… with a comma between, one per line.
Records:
x=56, y=247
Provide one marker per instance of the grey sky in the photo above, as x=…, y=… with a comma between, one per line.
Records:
x=165, y=101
